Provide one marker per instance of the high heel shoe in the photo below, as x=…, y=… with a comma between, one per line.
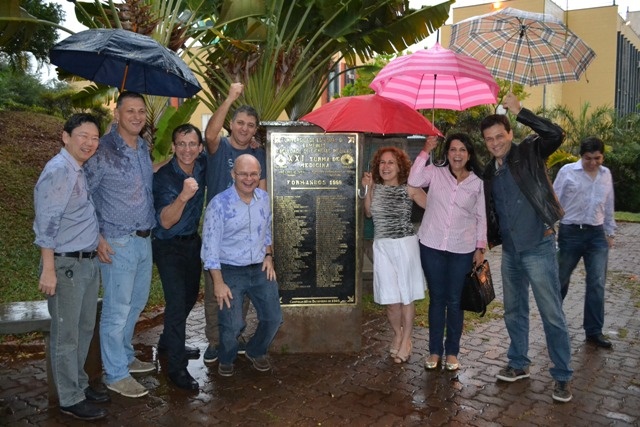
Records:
x=452, y=366
x=399, y=358
x=430, y=364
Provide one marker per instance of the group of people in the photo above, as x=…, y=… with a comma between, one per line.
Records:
x=102, y=216
x=511, y=203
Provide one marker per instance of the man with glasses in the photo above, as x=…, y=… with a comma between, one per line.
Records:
x=178, y=191
x=66, y=229
x=521, y=212
x=221, y=155
x=237, y=254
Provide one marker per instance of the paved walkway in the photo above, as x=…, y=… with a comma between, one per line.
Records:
x=368, y=389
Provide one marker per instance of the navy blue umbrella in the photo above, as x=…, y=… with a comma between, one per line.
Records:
x=126, y=60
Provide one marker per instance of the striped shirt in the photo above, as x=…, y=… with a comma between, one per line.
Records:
x=391, y=212
x=454, y=219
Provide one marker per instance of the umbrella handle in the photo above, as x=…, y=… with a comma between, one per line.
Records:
x=366, y=190
x=124, y=78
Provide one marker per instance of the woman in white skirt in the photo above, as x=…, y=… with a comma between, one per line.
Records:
x=398, y=280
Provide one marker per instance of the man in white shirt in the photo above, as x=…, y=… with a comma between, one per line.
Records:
x=585, y=191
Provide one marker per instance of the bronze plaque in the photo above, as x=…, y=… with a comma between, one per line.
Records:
x=313, y=187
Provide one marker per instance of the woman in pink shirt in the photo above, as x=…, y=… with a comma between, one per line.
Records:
x=453, y=235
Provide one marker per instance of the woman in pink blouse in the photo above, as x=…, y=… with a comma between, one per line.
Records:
x=453, y=235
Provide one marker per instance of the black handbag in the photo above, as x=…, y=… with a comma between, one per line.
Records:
x=478, y=291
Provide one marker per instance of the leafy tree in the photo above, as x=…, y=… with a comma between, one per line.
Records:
x=283, y=50
x=19, y=38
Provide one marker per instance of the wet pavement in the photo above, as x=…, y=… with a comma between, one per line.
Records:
x=368, y=389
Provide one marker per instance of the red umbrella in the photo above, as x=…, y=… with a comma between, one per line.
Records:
x=370, y=114
x=436, y=78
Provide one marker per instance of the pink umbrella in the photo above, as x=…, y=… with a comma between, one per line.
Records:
x=436, y=78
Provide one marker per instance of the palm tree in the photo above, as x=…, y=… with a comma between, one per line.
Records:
x=281, y=49
x=578, y=126
x=284, y=50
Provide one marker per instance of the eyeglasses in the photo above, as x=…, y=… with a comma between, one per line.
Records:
x=190, y=144
x=247, y=174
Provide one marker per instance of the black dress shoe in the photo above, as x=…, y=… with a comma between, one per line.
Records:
x=190, y=352
x=96, y=396
x=184, y=380
x=599, y=340
x=84, y=411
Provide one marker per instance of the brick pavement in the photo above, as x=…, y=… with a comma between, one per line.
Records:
x=368, y=389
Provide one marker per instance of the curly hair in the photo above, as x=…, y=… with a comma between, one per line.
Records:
x=402, y=160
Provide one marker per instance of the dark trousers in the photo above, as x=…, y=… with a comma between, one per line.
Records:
x=178, y=263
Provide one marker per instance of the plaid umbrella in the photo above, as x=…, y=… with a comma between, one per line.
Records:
x=523, y=47
x=436, y=78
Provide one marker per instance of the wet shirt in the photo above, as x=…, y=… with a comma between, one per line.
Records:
x=65, y=219
x=391, y=212
x=234, y=232
x=520, y=226
x=120, y=182
x=168, y=183
x=586, y=200
x=220, y=164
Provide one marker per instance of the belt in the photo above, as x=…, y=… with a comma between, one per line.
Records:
x=143, y=233
x=582, y=226
x=186, y=237
x=78, y=255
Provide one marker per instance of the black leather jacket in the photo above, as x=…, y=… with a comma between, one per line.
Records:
x=526, y=162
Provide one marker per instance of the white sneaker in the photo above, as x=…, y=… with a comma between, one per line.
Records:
x=128, y=387
x=138, y=366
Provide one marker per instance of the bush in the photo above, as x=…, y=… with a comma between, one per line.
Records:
x=624, y=162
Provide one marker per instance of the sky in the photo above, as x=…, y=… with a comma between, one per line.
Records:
x=71, y=23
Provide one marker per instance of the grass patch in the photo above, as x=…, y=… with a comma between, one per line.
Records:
x=627, y=216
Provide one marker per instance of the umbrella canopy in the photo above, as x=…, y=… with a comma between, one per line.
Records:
x=126, y=60
x=370, y=114
x=436, y=78
x=523, y=47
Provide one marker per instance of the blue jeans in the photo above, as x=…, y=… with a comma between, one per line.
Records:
x=178, y=263
x=590, y=244
x=252, y=281
x=537, y=267
x=445, y=273
x=126, y=282
x=73, y=317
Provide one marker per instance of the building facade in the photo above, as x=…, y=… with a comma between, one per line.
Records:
x=612, y=79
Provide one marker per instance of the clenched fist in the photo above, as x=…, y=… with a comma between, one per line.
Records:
x=189, y=189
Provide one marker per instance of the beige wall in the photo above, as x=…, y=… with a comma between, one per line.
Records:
x=598, y=27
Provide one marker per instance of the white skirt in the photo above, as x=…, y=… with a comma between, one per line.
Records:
x=397, y=272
